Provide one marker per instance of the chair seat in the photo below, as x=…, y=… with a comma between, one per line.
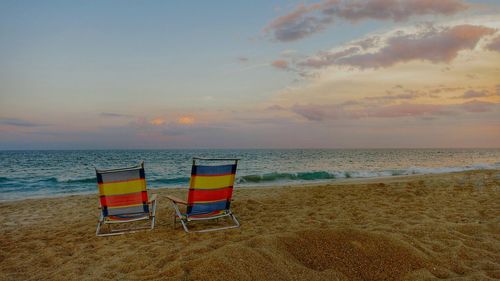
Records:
x=207, y=215
x=128, y=217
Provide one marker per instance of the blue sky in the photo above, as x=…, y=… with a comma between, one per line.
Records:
x=159, y=74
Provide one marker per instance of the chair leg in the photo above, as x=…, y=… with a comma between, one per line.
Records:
x=99, y=224
x=98, y=230
x=184, y=225
x=153, y=218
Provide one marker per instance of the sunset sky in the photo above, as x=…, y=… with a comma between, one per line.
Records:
x=249, y=74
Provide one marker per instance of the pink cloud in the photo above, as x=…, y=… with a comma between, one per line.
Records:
x=322, y=112
x=280, y=64
x=309, y=19
x=469, y=94
x=402, y=110
x=433, y=44
x=314, y=112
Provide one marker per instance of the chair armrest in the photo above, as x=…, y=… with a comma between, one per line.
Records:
x=152, y=198
x=176, y=200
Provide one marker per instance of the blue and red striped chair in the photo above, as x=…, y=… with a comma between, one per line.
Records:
x=210, y=193
x=124, y=199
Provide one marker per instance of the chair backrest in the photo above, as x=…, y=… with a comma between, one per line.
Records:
x=211, y=187
x=123, y=191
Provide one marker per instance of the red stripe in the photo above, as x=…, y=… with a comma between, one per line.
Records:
x=124, y=200
x=197, y=195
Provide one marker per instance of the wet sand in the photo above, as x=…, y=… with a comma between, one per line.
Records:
x=425, y=227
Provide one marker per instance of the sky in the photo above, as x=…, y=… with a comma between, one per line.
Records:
x=249, y=74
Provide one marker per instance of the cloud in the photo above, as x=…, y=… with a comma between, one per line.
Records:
x=306, y=20
x=322, y=112
x=368, y=43
x=19, y=123
x=494, y=45
x=316, y=112
x=280, y=64
x=430, y=44
x=404, y=96
x=275, y=107
x=297, y=24
x=328, y=58
x=157, y=121
x=242, y=59
x=185, y=120
x=112, y=114
x=407, y=110
x=312, y=112
x=469, y=94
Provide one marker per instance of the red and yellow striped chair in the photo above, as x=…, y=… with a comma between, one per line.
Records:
x=124, y=199
x=210, y=193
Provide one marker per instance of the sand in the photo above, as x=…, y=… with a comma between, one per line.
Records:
x=403, y=228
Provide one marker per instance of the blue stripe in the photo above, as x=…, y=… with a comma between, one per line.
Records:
x=213, y=170
x=205, y=208
x=125, y=211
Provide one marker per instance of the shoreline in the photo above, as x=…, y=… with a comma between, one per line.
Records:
x=304, y=183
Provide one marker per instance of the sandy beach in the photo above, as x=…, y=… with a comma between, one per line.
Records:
x=424, y=227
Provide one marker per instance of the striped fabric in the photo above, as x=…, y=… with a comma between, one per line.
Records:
x=211, y=189
x=123, y=192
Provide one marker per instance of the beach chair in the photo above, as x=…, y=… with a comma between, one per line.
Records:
x=124, y=199
x=210, y=192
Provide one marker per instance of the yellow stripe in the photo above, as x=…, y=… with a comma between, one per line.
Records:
x=209, y=182
x=125, y=187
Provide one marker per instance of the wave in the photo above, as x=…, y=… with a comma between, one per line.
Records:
x=326, y=175
x=313, y=175
x=70, y=181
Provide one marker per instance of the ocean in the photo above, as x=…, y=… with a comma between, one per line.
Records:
x=50, y=173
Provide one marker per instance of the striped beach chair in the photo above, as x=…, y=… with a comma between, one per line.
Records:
x=210, y=193
x=124, y=199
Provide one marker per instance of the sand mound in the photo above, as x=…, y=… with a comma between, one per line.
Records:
x=345, y=254
x=356, y=254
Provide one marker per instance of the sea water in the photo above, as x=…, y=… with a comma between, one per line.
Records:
x=30, y=174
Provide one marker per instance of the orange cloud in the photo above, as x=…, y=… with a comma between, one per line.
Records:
x=157, y=121
x=185, y=120
x=281, y=64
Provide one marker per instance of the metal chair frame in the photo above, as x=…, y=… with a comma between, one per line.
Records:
x=185, y=218
x=147, y=216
